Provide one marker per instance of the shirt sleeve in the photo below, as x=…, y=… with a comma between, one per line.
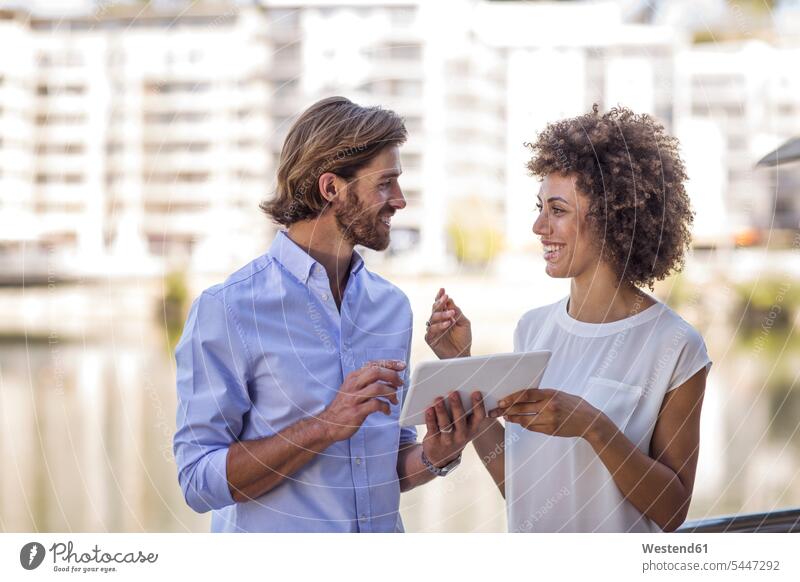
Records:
x=211, y=360
x=693, y=357
x=408, y=434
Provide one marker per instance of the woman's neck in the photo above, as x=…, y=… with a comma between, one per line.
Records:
x=597, y=297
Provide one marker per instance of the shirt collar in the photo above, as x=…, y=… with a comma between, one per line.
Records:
x=298, y=262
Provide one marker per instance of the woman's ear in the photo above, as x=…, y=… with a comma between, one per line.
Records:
x=327, y=186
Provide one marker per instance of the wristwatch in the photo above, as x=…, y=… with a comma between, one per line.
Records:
x=441, y=471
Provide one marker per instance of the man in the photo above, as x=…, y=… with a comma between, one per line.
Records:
x=288, y=373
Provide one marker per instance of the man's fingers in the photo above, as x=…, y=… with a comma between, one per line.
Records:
x=398, y=365
x=376, y=405
x=374, y=374
x=430, y=422
x=477, y=412
x=458, y=413
x=442, y=417
x=378, y=390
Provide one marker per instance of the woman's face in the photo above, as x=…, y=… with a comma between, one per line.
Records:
x=569, y=245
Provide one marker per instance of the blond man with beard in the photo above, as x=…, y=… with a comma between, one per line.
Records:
x=290, y=373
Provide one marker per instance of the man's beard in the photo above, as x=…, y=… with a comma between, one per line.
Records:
x=361, y=226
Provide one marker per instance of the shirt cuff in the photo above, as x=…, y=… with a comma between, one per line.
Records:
x=210, y=489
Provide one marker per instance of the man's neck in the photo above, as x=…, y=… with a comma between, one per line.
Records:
x=323, y=242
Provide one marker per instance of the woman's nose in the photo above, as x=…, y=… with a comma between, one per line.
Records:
x=541, y=225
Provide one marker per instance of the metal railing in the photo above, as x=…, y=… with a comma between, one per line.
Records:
x=785, y=520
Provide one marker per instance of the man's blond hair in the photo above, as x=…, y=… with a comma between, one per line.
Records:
x=333, y=135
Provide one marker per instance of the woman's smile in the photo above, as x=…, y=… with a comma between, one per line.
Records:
x=552, y=251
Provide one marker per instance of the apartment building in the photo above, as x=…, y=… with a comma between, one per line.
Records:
x=746, y=95
x=560, y=60
x=142, y=139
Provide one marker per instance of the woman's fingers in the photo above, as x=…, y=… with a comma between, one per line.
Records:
x=438, y=329
x=442, y=316
x=440, y=303
x=529, y=408
x=529, y=422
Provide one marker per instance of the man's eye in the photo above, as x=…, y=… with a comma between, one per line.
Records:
x=557, y=211
x=539, y=207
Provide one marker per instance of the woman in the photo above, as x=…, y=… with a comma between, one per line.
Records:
x=610, y=443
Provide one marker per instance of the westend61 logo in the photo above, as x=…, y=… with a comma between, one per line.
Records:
x=65, y=559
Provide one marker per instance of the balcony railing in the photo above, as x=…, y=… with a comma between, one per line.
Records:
x=786, y=520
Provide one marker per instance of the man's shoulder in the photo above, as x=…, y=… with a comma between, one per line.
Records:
x=250, y=276
x=383, y=287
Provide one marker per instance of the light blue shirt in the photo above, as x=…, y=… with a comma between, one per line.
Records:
x=267, y=348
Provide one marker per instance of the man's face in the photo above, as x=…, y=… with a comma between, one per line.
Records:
x=364, y=214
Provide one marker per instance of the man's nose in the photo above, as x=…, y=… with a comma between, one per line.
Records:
x=397, y=200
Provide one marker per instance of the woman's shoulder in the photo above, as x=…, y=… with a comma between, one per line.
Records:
x=539, y=314
x=674, y=329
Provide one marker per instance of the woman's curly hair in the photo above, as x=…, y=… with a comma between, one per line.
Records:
x=631, y=170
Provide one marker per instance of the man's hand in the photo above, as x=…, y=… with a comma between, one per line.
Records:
x=449, y=332
x=448, y=434
x=363, y=392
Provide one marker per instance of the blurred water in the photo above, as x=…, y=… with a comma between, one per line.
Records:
x=86, y=426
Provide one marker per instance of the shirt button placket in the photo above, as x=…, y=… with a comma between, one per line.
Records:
x=362, y=483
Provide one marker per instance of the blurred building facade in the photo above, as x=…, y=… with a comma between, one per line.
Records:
x=138, y=139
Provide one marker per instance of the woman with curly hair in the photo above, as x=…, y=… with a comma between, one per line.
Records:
x=610, y=443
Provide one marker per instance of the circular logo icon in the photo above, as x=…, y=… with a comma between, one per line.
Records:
x=31, y=555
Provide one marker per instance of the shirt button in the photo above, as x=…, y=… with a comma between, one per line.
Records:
x=358, y=460
x=324, y=296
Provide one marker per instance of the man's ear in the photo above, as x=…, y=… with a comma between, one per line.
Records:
x=327, y=185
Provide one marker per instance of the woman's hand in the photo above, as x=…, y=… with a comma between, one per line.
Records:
x=449, y=332
x=448, y=435
x=551, y=412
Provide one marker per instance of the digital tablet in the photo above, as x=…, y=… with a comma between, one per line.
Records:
x=494, y=376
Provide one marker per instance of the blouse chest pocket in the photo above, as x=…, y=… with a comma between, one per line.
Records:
x=617, y=400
